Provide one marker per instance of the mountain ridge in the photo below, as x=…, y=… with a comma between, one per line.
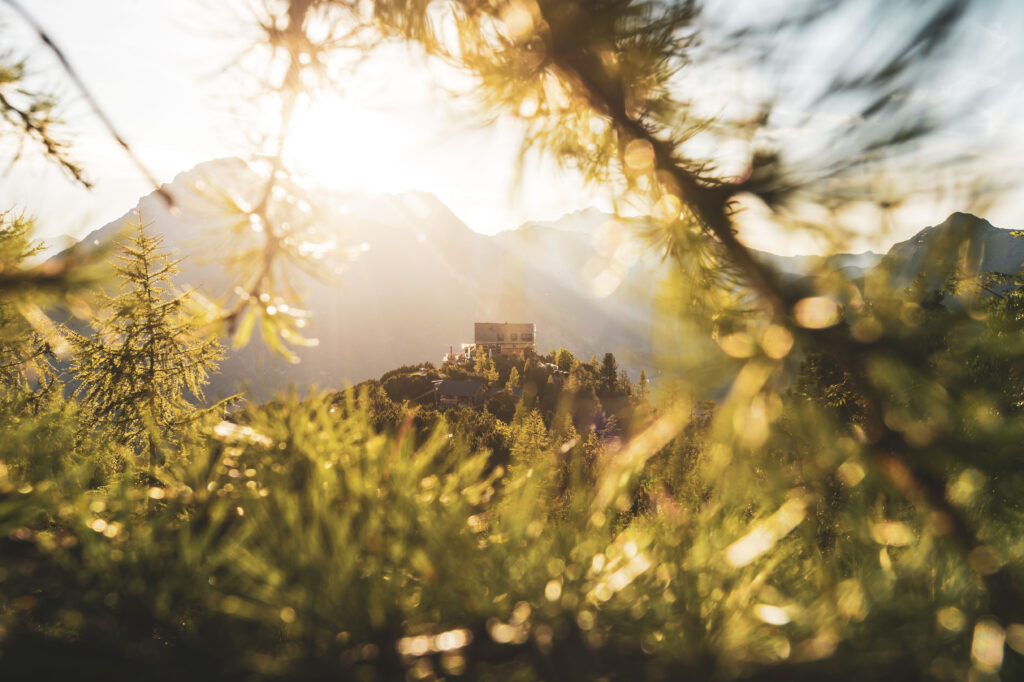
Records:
x=414, y=277
x=962, y=243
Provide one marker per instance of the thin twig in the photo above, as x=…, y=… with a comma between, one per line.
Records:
x=91, y=100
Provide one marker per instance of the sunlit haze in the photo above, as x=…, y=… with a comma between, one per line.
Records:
x=393, y=127
x=156, y=67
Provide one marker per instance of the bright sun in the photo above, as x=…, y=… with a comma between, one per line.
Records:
x=397, y=129
x=342, y=144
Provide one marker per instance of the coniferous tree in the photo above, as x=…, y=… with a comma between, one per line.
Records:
x=609, y=374
x=564, y=359
x=484, y=366
x=625, y=386
x=643, y=387
x=146, y=357
x=26, y=370
x=529, y=439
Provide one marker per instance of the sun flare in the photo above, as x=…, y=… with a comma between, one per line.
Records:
x=341, y=144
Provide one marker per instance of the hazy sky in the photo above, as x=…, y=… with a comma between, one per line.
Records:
x=155, y=67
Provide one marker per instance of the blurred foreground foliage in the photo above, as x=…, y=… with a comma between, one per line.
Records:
x=338, y=536
x=298, y=541
x=848, y=505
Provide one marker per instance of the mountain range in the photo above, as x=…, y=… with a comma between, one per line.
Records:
x=410, y=278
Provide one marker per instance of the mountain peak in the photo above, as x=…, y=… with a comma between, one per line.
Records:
x=958, y=227
x=962, y=242
x=963, y=221
x=959, y=217
x=585, y=220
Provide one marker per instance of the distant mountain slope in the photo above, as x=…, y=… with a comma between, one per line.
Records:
x=851, y=265
x=411, y=278
x=962, y=242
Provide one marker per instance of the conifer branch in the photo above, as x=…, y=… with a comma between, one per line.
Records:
x=894, y=458
x=93, y=104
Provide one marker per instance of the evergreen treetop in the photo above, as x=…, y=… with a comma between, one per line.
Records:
x=609, y=373
x=146, y=358
x=25, y=367
x=513, y=379
x=484, y=366
x=643, y=387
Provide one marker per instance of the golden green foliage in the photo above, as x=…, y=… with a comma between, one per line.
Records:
x=25, y=357
x=847, y=508
x=145, y=358
x=484, y=367
x=295, y=542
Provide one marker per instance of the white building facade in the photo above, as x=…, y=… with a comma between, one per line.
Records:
x=505, y=338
